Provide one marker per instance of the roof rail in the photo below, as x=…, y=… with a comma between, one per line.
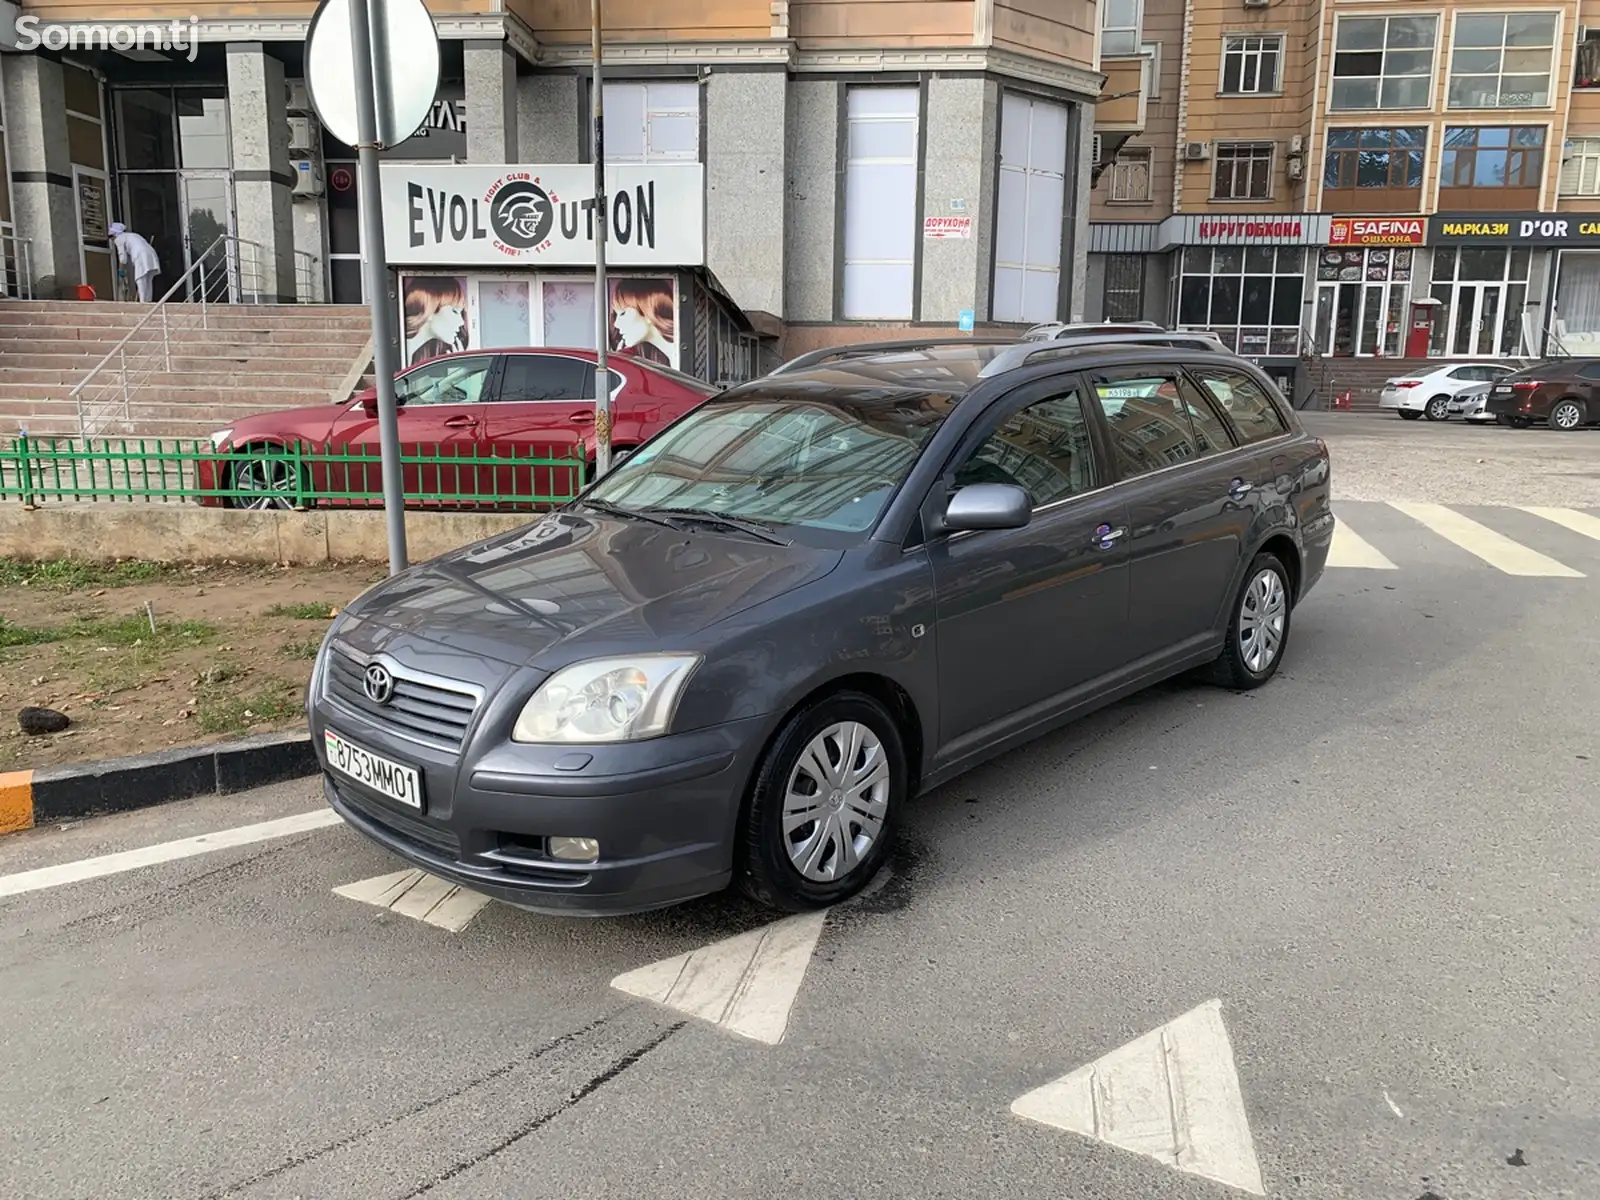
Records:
x=829, y=354
x=1049, y=331
x=1020, y=355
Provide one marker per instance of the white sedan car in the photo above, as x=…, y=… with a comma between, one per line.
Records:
x=1430, y=394
x=1471, y=405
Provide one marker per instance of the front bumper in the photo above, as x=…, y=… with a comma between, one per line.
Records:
x=664, y=813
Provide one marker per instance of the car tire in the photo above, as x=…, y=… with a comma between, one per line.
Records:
x=1438, y=409
x=1265, y=603
x=796, y=869
x=1515, y=422
x=254, y=468
x=1567, y=415
x=1409, y=414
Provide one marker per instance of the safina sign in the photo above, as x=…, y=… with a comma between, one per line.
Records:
x=466, y=215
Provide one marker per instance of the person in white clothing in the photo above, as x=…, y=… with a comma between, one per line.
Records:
x=139, y=257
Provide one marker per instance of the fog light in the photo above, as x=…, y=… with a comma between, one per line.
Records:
x=571, y=849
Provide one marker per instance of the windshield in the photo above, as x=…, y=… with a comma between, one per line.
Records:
x=827, y=463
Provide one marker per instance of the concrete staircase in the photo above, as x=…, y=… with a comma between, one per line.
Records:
x=188, y=373
x=1364, y=378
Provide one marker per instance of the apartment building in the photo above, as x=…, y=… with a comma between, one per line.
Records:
x=794, y=172
x=1350, y=178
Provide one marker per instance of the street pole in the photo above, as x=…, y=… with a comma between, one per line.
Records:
x=375, y=266
x=602, y=299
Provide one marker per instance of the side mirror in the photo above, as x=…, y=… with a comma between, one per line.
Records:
x=988, y=506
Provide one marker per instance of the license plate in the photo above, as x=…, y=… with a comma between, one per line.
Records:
x=394, y=780
x=1502, y=391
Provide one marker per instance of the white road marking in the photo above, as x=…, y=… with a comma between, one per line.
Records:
x=1571, y=518
x=420, y=896
x=745, y=984
x=1172, y=1094
x=1393, y=1107
x=1499, y=551
x=149, y=856
x=1350, y=549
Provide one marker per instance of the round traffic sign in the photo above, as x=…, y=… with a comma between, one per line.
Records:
x=406, y=67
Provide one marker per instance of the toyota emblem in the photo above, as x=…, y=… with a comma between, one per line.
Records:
x=378, y=684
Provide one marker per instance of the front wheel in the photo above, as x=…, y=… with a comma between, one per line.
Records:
x=1259, y=630
x=1566, y=416
x=1409, y=414
x=823, y=804
x=263, y=479
x=1438, y=409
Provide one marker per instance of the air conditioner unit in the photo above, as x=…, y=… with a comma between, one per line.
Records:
x=302, y=135
x=299, y=96
x=308, y=177
x=1096, y=146
x=1297, y=144
x=1296, y=167
x=1196, y=151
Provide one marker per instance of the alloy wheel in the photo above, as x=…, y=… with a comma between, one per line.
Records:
x=265, y=483
x=836, y=802
x=1439, y=408
x=1566, y=415
x=1263, y=615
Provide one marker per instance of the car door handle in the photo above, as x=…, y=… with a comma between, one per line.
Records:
x=461, y=422
x=583, y=418
x=1239, y=489
x=1106, y=537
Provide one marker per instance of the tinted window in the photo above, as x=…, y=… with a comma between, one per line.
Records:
x=1591, y=371
x=1152, y=423
x=444, y=381
x=1254, y=414
x=1463, y=373
x=1043, y=448
x=531, y=377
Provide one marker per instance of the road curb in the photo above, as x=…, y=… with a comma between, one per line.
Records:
x=30, y=798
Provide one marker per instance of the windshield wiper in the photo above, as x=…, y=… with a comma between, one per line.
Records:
x=709, y=517
x=627, y=514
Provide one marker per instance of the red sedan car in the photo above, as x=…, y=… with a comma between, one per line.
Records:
x=477, y=405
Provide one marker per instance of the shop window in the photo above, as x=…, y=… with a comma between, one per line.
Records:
x=1243, y=171
x=1373, y=170
x=653, y=122
x=1120, y=26
x=1491, y=167
x=1124, y=287
x=1361, y=299
x=1580, y=172
x=1249, y=296
x=1482, y=293
x=1250, y=65
x=1032, y=187
x=1502, y=60
x=1383, y=62
x=1576, y=328
x=880, y=203
x=1130, y=176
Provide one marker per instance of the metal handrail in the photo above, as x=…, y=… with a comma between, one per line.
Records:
x=16, y=262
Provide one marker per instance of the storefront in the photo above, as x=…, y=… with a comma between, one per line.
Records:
x=1491, y=277
x=1363, y=278
x=495, y=255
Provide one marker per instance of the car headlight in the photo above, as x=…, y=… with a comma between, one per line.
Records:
x=221, y=438
x=607, y=700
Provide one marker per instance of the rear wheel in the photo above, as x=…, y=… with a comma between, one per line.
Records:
x=1567, y=415
x=1259, y=630
x=823, y=804
x=1514, y=421
x=1409, y=414
x=1438, y=409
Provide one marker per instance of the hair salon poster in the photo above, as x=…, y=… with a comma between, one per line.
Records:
x=443, y=314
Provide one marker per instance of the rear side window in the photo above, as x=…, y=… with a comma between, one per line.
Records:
x=1157, y=420
x=1254, y=414
x=1592, y=371
x=538, y=377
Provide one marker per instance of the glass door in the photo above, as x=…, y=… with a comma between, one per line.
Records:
x=207, y=199
x=1476, y=326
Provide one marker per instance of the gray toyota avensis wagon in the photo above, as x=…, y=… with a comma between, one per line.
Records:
x=738, y=656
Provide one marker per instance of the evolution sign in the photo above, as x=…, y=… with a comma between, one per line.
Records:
x=465, y=215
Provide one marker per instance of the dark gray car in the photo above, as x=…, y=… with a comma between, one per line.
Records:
x=738, y=656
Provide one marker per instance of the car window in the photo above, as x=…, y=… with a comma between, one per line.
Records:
x=1152, y=421
x=1462, y=373
x=444, y=381
x=1044, y=448
x=536, y=377
x=1591, y=371
x=1254, y=414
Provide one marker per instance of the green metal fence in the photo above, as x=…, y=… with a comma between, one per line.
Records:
x=299, y=475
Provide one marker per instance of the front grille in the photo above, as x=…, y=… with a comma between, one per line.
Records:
x=408, y=828
x=424, y=712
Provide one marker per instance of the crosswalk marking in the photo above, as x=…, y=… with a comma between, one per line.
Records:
x=1350, y=549
x=1570, y=518
x=1496, y=549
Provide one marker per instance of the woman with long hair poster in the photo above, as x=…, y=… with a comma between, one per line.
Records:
x=643, y=320
x=436, y=316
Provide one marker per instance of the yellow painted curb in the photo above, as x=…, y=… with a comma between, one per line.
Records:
x=16, y=801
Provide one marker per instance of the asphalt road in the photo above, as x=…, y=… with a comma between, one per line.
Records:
x=1382, y=866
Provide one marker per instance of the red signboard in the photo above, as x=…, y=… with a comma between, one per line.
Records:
x=1289, y=228
x=1389, y=231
